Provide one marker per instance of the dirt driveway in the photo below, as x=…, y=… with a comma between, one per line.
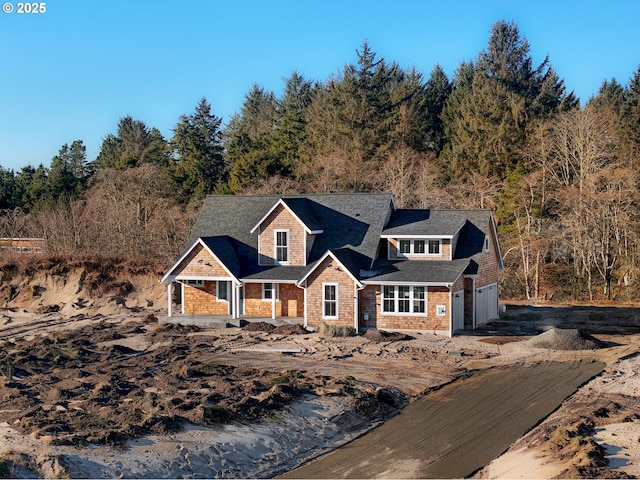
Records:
x=458, y=429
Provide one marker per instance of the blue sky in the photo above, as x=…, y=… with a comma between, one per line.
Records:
x=72, y=72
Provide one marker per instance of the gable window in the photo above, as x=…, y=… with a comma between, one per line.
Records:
x=404, y=299
x=329, y=300
x=282, y=246
x=222, y=291
x=268, y=291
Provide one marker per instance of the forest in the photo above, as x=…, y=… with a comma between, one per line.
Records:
x=560, y=174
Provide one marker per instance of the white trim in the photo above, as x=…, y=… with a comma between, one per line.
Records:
x=412, y=299
x=404, y=237
x=286, y=207
x=276, y=231
x=306, y=303
x=226, y=284
x=329, y=253
x=275, y=287
x=337, y=300
x=186, y=254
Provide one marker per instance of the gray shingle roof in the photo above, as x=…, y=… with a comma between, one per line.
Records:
x=347, y=220
x=434, y=222
x=351, y=225
x=407, y=271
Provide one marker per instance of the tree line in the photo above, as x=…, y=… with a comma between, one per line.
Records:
x=502, y=133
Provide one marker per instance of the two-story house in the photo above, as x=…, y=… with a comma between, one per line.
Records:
x=350, y=259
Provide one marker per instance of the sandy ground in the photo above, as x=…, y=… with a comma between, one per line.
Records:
x=324, y=415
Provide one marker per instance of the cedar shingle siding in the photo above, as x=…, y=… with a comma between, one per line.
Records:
x=347, y=240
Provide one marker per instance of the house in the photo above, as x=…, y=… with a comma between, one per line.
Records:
x=349, y=259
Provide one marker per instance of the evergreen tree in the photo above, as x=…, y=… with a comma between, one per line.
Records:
x=629, y=123
x=438, y=89
x=198, y=164
x=487, y=125
x=248, y=139
x=135, y=145
x=289, y=132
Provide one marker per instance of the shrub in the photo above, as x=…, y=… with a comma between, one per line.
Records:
x=330, y=330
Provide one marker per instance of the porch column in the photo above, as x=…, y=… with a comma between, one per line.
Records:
x=169, y=297
x=273, y=300
x=234, y=300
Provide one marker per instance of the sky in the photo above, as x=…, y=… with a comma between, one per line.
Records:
x=71, y=72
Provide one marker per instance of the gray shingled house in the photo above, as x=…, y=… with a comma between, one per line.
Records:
x=348, y=259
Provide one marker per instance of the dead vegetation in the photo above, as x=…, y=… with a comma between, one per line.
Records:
x=106, y=383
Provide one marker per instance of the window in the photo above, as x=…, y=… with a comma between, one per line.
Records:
x=222, y=293
x=195, y=283
x=486, y=243
x=419, y=247
x=282, y=246
x=267, y=291
x=404, y=299
x=418, y=300
x=329, y=300
x=434, y=247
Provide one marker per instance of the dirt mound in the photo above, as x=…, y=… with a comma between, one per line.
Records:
x=258, y=327
x=290, y=330
x=566, y=339
x=94, y=385
x=379, y=336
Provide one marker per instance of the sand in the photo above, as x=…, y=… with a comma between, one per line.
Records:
x=317, y=421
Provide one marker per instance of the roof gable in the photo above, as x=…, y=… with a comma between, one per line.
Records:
x=300, y=209
x=346, y=220
x=220, y=250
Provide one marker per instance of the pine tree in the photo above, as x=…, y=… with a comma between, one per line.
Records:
x=198, y=164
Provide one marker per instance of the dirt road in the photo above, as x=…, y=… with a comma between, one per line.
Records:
x=458, y=429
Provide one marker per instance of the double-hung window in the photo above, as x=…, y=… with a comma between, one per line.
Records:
x=330, y=300
x=282, y=246
x=404, y=299
x=268, y=291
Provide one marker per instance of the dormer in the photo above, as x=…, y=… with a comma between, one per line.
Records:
x=286, y=233
x=423, y=247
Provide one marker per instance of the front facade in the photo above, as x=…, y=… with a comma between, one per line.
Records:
x=348, y=259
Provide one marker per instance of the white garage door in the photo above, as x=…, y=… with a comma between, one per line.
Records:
x=486, y=304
